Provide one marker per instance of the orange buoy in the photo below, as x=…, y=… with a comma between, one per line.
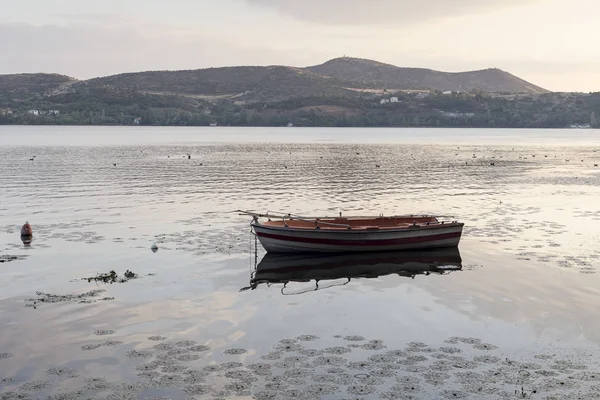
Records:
x=26, y=230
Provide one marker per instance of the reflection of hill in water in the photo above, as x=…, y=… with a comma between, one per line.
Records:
x=285, y=268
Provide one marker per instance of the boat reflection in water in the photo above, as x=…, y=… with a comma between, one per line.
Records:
x=27, y=239
x=286, y=268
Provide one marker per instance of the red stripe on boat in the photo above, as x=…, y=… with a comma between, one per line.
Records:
x=376, y=242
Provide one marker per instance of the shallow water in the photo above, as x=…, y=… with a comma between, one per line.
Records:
x=528, y=284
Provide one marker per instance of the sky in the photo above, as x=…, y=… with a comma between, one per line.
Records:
x=550, y=43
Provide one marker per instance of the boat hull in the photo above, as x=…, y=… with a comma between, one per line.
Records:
x=289, y=240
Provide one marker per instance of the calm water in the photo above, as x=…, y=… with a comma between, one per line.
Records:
x=519, y=320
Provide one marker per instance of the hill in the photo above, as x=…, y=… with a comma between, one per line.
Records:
x=241, y=83
x=340, y=92
x=345, y=77
x=379, y=75
x=25, y=86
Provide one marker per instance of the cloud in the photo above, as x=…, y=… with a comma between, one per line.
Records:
x=90, y=45
x=380, y=12
x=91, y=50
x=560, y=75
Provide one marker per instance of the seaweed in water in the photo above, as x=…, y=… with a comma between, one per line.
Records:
x=112, y=277
x=388, y=374
x=8, y=258
x=82, y=298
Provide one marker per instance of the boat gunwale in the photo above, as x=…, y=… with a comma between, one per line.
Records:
x=328, y=230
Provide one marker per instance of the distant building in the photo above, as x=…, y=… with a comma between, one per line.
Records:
x=53, y=112
x=394, y=100
x=290, y=125
x=422, y=95
x=137, y=121
x=384, y=101
x=447, y=92
x=457, y=114
x=34, y=112
x=6, y=111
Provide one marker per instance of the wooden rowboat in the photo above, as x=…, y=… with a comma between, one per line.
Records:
x=295, y=234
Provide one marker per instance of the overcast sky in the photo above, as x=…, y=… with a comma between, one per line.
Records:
x=552, y=43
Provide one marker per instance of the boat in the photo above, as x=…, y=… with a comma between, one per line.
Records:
x=287, y=233
x=285, y=268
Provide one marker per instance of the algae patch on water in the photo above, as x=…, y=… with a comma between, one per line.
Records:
x=334, y=368
x=112, y=277
x=5, y=258
x=88, y=297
